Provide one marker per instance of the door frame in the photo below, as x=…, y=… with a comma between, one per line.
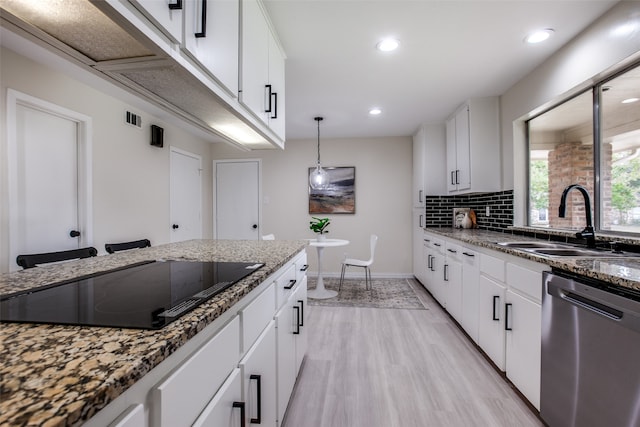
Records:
x=177, y=150
x=85, y=167
x=215, y=195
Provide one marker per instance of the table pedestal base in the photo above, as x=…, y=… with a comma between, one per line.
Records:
x=320, y=292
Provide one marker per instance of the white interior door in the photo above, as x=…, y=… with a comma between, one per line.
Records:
x=237, y=200
x=185, y=195
x=49, y=182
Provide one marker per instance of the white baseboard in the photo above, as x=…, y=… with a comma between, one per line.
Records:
x=360, y=275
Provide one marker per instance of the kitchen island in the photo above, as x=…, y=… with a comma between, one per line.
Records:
x=56, y=375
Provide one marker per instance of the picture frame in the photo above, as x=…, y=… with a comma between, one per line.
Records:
x=340, y=195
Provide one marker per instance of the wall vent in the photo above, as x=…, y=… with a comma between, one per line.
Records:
x=133, y=119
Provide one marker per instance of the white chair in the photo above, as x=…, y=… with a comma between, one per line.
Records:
x=361, y=263
x=269, y=237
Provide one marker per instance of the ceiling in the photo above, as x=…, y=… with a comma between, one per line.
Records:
x=450, y=50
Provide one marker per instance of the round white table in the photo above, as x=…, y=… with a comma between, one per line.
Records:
x=320, y=292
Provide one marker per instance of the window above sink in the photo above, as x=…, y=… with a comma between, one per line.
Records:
x=564, y=149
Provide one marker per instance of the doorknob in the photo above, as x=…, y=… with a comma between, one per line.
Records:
x=74, y=233
x=175, y=226
x=254, y=226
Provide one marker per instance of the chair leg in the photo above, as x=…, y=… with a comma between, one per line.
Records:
x=341, y=277
x=367, y=278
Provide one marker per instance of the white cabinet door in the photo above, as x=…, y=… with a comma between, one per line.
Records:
x=491, y=320
x=255, y=59
x=165, y=14
x=451, y=154
x=463, y=159
x=211, y=37
x=259, y=378
x=256, y=316
x=419, y=157
x=470, y=292
x=452, y=279
x=226, y=408
x=299, y=299
x=417, y=236
x=286, y=356
x=437, y=272
x=523, y=319
x=276, y=115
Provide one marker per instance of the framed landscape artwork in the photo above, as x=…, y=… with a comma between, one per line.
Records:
x=340, y=195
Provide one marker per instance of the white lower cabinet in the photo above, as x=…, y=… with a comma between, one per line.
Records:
x=180, y=398
x=291, y=345
x=491, y=320
x=470, y=292
x=259, y=379
x=132, y=417
x=227, y=407
x=452, y=280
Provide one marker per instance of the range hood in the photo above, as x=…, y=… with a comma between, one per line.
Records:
x=97, y=37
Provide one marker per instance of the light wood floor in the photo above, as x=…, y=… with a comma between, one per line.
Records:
x=368, y=367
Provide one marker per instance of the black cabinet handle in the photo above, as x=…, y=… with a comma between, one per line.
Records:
x=304, y=267
x=429, y=263
x=268, y=98
x=301, y=320
x=452, y=179
x=452, y=251
x=468, y=254
x=457, y=173
x=437, y=244
x=74, y=233
x=291, y=284
x=258, y=378
x=446, y=270
x=495, y=298
x=507, y=306
x=203, y=23
x=419, y=196
x=176, y=6
x=297, y=309
x=275, y=105
x=242, y=414
x=420, y=221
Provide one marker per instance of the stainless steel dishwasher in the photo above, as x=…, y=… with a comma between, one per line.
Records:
x=590, y=353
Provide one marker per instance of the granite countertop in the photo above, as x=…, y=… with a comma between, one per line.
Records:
x=55, y=375
x=621, y=271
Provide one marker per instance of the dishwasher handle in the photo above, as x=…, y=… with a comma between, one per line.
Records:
x=614, y=307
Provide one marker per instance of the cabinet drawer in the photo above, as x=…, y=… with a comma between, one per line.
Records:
x=225, y=408
x=257, y=315
x=526, y=281
x=301, y=267
x=180, y=398
x=492, y=266
x=132, y=417
x=284, y=285
x=453, y=251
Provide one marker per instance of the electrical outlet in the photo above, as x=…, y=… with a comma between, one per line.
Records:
x=488, y=211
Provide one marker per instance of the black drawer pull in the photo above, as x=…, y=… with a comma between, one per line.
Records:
x=301, y=321
x=452, y=251
x=176, y=6
x=268, y=97
x=507, y=306
x=468, y=254
x=203, y=23
x=275, y=105
x=258, y=419
x=242, y=413
x=291, y=284
x=304, y=267
x=495, y=316
x=297, y=309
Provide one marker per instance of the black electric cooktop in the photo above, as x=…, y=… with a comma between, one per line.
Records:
x=147, y=295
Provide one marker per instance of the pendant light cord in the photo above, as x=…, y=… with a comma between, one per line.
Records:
x=318, y=119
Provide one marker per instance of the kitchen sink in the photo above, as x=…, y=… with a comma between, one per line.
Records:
x=556, y=249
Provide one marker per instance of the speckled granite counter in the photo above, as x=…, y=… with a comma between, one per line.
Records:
x=620, y=271
x=53, y=375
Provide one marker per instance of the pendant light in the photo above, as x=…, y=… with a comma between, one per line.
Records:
x=319, y=178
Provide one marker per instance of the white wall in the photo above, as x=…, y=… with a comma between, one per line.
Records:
x=130, y=177
x=595, y=52
x=383, y=198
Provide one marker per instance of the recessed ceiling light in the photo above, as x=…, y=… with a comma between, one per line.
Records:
x=630, y=100
x=539, y=36
x=375, y=111
x=387, y=45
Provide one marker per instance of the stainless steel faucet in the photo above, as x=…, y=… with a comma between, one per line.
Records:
x=588, y=232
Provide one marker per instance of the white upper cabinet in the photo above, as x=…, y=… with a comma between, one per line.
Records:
x=262, y=71
x=473, y=147
x=419, y=162
x=211, y=37
x=167, y=15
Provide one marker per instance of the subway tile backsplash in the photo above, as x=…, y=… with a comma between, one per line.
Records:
x=439, y=209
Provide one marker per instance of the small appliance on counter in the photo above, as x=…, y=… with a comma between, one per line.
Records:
x=464, y=218
x=145, y=295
